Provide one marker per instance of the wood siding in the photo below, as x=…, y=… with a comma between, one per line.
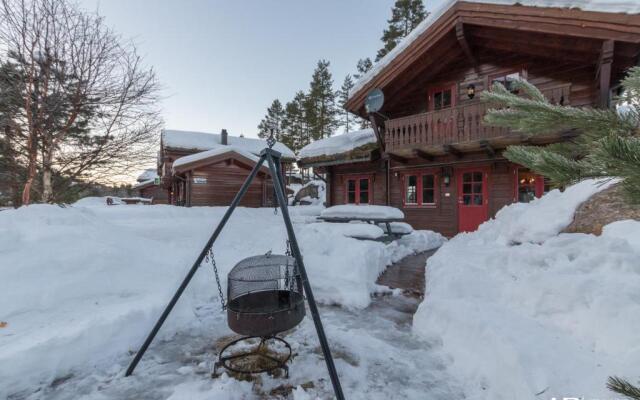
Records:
x=223, y=182
x=443, y=217
x=157, y=193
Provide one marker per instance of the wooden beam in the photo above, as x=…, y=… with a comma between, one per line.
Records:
x=486, y=146
x=448, y=148
x=397, y=158
x=423, y=154
x=374, y=125
x=464, y=43
x=603, y=74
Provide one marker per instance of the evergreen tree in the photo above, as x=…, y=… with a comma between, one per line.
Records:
x=608, y=143
x=320, y=108
x=624, y=388
x=405, y=16
x=294, y=125
x=272, y=120
x=347, y=119
x=364, y=65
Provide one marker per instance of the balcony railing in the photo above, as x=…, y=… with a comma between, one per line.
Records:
x=452, y=125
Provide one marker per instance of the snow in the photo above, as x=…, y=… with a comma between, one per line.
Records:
x=96, y=201
x=148, y=175
x=609, y=6
x=362, y=211
x=144, y=183
x=81, y=286
x=338, y=144
x=397, y=227
x=208, y=141
x=534, y=314
x=212, y=153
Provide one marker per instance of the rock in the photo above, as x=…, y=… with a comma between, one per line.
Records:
x=310, y=190
x=601, y=209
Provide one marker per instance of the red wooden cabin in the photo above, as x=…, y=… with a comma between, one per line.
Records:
x=434, y=157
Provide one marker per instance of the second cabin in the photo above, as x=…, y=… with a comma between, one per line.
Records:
x=205, y=169
x=429, y=152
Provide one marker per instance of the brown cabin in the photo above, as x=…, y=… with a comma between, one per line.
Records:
x=429, y=152
x=205, y=169
x=148, y=187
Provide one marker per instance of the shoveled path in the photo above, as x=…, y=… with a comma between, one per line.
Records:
x=407, y=274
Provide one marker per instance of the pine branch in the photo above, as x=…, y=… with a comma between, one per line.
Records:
x=623, y=387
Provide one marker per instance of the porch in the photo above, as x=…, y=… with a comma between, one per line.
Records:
x=457, y=129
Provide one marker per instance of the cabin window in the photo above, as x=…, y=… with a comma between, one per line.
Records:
x=420, y=189
x=507, y=80
x=358, y=190
x=472, y=190
x=442, y=98
x=530, y=186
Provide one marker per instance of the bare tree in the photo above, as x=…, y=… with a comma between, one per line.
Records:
x=89, y=105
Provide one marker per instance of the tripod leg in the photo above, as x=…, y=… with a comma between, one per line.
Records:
x=277, y=185
x=196, y=264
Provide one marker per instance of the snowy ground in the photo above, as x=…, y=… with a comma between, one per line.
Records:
x=525, y=313
x=81, y=286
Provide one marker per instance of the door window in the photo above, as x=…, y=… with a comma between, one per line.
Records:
x=472, y=190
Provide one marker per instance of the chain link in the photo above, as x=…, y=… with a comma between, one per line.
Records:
x=210, y=259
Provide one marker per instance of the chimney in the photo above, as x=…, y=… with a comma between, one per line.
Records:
x=224, y=137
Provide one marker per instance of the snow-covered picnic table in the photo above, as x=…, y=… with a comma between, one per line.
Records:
x=389, y=218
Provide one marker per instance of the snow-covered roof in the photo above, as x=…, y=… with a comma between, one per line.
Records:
x=142, y=184
x=609, y=6
x=148, y=174
x=338, y=144
x=191, y=158
x=202, y=141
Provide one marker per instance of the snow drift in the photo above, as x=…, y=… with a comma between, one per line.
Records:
x=82, y=285
x=527, y=313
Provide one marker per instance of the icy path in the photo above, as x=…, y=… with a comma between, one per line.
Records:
x=376, y=356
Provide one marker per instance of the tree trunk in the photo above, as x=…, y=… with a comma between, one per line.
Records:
x=47, y=162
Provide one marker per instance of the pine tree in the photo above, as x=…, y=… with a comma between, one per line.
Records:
x=624, y=388
x=405, y=16
x=607, y=144
x=272, y=120
x=343, y=97
x=364, y=65
x=294, y=125
x=321, y=112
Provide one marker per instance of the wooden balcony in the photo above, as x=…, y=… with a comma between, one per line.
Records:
x=461, y=128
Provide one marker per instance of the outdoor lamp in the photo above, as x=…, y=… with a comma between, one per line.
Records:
x=471, y=91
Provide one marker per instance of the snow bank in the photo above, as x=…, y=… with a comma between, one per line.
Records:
x=553, y=316
x=84, y=284
x=338, y=144
x=611, y=6
x=203, y=155
x=362, y=211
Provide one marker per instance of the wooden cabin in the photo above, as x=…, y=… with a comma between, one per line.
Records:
x=205, y=169
x=429, y=152
x=148, y=187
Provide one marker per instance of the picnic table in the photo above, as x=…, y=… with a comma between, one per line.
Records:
x=377, y=215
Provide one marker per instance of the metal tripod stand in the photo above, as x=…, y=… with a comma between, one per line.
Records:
x=273, y=158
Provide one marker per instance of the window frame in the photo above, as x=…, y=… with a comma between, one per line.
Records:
x=538, y=185
x=442, y=88
x=521, y=71
x=357, y=179
x=420, y=189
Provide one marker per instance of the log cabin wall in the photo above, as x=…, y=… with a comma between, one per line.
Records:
x=157, y=193
x=217, y=185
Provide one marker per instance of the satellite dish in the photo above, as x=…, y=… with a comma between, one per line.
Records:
x=374, y=101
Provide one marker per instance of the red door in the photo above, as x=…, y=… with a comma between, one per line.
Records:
x=473, y=199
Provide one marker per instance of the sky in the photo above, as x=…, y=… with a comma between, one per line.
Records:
x=221, y=63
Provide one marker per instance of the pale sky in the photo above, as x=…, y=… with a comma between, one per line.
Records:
x=221, y=63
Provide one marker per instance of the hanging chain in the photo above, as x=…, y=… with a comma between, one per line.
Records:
x=209, y=258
